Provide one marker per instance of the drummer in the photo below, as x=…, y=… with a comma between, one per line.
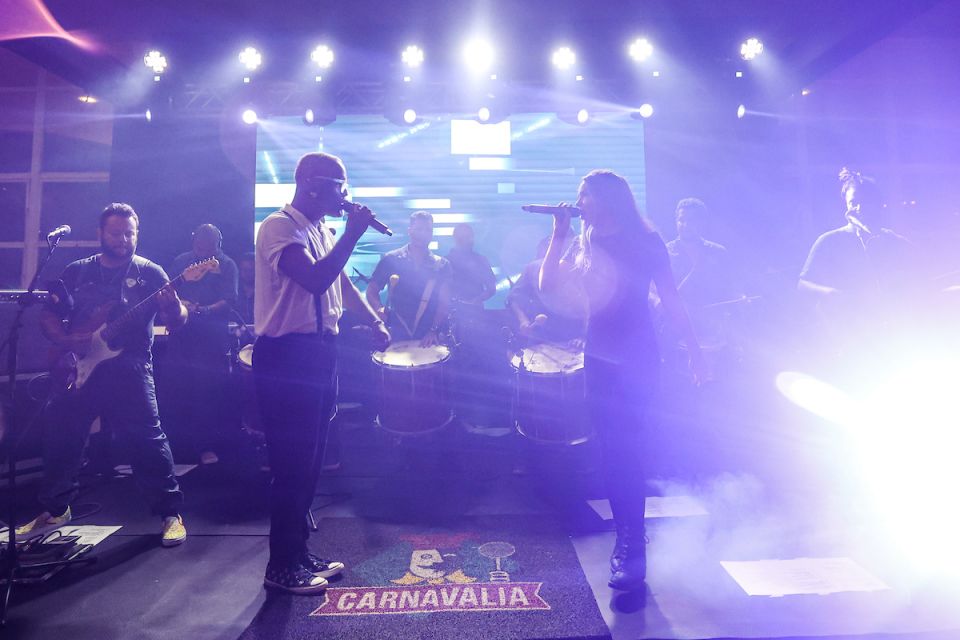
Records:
x=544, y=316
x=702, y=271
x=418, y=286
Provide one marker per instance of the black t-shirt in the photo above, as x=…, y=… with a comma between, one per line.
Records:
x=470, y=275
x=617, y=284
x=92, y=286
x=405, y=297
x=880, y=262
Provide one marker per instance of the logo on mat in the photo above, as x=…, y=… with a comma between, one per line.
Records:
x=436, y=573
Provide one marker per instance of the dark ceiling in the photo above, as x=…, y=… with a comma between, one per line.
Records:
x=809, y=37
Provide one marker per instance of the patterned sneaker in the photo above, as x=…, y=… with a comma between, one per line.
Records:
x=174, y=532
x=295, y=579
x=44, y=523
x=322, y=568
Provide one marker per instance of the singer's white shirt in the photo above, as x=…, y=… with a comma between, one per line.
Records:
x=280, y=305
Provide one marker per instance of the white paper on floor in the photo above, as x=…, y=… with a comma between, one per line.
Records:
x=818, y=576
x=89, y=533
x=178, y=469
x=657, y=507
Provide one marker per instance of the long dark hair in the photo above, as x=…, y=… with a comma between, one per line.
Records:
x=617, y=197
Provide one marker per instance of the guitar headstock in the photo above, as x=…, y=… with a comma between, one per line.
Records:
x=199, y=269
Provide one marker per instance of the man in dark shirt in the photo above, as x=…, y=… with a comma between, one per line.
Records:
x=418, y=297
x=119, y=389
x=198, y=353
x=862, y=276
x=702, y=271
x=472, y=279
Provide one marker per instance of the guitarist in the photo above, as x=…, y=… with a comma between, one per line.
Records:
x=121, y=389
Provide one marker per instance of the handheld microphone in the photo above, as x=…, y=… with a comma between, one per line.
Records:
x=59, y=232
x=853, y=219
x=348, y=206
x=551, y=209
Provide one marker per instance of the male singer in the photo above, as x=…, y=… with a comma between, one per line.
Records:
x=300, y=294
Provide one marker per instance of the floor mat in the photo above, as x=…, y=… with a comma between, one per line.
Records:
x=484, y=577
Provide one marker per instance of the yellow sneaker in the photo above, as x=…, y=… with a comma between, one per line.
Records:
x=174, y=532
x=44, y=523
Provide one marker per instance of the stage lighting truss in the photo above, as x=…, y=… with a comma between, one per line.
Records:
x=751, y=49
x=322, y=56
x=156, y=62
x=640, y=50
x=412, y=57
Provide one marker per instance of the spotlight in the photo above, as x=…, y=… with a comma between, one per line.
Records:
x=741, y=111
x=478, y=55
x=148, y=115
x=249, y=116
x=309, y=117
x=582, y=116
x=412, y=56
x=156, y=62
x=640, y=49
x=88, y=99
x=564, y=58
x=645, y=110
x=250, y=58
x=751, y=48
x=322, y=56
x=409, y=116
x=483, y=114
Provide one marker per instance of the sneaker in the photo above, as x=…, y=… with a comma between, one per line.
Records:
x=44, y=523
x=174, y=532
x=322, y=568
x=295, y=579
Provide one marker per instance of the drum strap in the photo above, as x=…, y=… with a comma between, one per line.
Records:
x=424, y=301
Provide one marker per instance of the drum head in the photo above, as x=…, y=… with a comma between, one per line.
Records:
x=549, y=358
x=245, y=357
x=408, y=354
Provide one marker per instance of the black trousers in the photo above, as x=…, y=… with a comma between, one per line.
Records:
x=618, y=398
x=122, y=392
x=296, y=382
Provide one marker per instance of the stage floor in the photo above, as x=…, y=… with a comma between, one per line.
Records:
x=810, y=556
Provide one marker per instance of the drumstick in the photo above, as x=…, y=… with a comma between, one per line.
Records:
x=394, y=279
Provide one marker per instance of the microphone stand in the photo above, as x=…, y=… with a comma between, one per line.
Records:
x=12, y=440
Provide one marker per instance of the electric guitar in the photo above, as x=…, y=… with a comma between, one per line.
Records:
x=72, y=369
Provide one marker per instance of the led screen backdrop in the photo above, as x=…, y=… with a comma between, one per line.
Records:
x=457, y=169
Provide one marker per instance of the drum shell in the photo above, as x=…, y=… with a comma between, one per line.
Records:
x=549, y=407
x=413, y=400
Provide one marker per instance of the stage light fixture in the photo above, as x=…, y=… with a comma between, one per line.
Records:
x=322, y=56
x=409, y=116
x=309, y=117
x=478, y=55
x=640, y=50
x=412, y=56
x=751, y=48
x=148, y=115
x=483, y=114
x=645, y=110
x=741, y=111
x=564, y=58
x=583, y=116
x=88, y=99
x=156, y=62
x=249, y=116
x=250, y=58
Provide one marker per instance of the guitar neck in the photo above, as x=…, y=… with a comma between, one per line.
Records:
x=135, y=313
